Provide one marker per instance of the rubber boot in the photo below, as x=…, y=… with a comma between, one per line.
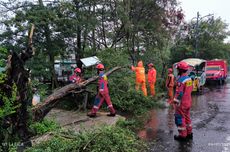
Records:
x=92, y=115
x=111, y=114
x=180, y=138
x=190, y=136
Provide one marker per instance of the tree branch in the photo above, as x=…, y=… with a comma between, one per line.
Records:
x=40, y=111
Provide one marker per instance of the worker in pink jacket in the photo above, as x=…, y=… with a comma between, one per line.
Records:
x=183, y=102
x=103, y=94
x=76, y=77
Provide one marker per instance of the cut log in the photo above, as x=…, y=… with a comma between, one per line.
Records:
x=40, y=110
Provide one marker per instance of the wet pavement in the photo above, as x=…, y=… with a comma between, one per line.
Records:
x=211, y=124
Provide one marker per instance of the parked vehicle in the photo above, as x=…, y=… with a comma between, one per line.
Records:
x=217, y=70
x=197, y=71
x=65, y=68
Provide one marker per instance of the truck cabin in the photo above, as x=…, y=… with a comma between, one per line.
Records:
x=197, y=70
x=65, y=68
x=196, y=67
x=213, y=68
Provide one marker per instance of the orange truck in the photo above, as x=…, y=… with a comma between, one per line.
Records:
x=217, y=70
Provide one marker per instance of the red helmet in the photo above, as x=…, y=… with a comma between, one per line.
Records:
x=182, y=65
x=170, y=70
x=100, y=66
x=150, y=65
x=77, y=70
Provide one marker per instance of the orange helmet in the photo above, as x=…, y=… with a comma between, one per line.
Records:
x=182, y=65
x=170, y=70
x=150, y=65
x=77, y=70
x=100, y=66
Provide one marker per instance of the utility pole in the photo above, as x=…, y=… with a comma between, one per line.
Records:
x=197, y=32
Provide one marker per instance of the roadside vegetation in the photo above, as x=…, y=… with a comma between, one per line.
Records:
x=120, y=137
x=108, y=138
x=119, y=33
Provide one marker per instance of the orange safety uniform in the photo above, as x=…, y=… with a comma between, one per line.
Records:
x=170, y=85
x=140, y=77
x=152, y=73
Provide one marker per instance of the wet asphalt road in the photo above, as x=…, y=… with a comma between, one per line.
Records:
x=211, y=124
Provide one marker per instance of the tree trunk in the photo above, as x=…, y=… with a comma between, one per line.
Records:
x=18, y=75
x=54, y=81
x=40, y=111
x=78, y=52
x=103, y=27
x=49, y=48
x=93, y=35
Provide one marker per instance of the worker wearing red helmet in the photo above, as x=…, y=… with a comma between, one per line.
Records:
x=103, y=94
x=152, y=78
x=183, y=102
x=76, y=77
x=140, y=77
x=170, y=85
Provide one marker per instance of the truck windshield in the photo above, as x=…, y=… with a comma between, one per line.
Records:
x=216, y=68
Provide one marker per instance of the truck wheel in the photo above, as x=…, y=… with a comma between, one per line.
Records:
x=201, y=90
x=220, y=82
x=198, y=91
x=223, y=81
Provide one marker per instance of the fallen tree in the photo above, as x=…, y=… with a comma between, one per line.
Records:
x=40, y=110
x=16, y=81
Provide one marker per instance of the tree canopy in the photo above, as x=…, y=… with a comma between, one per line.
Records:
x=120, y=32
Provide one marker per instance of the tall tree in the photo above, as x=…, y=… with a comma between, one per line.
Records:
x=211, y=37
x=49, y=40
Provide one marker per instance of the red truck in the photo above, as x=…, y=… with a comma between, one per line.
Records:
x=217, y=70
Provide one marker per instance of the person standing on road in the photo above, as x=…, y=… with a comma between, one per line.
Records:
x=103, y=94
x=140, y=77
x=152, y=78
x=183, y=102
x=170, y=85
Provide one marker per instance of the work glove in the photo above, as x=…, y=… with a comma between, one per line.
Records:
x=101, y=92
x=176, y=102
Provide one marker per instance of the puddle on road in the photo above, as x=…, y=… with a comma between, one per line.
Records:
x=160, y=126
x=159, y=120
x=150, y=128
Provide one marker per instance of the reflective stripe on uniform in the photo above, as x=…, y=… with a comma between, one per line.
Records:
x=95, y=107
x=181, y=128
x=189, y=125
x=110, y=106
x=186, y=79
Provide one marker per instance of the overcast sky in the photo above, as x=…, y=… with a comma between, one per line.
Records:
x=220, y=8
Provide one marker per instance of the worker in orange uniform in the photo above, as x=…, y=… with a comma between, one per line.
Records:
x=152, y=78
x=170, y=85
x=140, y=77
